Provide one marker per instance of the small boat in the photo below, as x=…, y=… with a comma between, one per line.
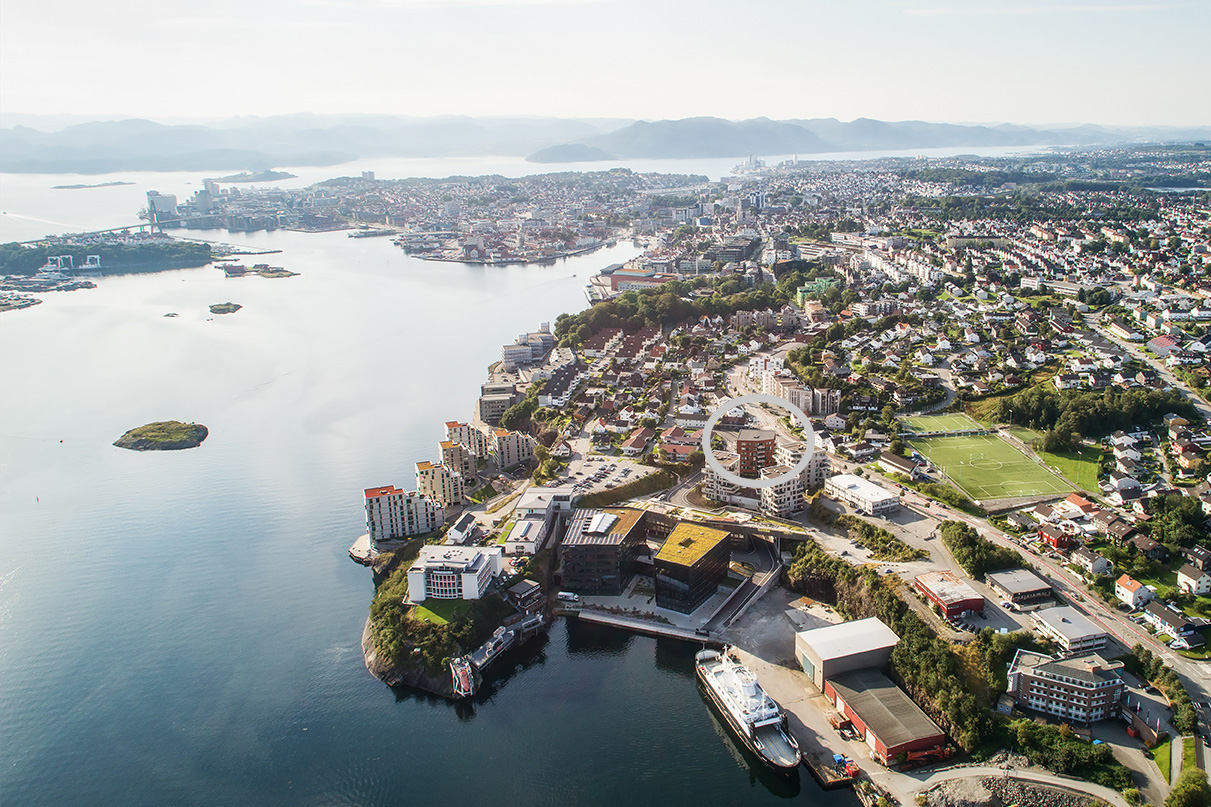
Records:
x=757, y=720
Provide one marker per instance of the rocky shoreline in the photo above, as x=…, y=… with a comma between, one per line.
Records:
x=995, y=791
x=383, y=670
x=153, y=437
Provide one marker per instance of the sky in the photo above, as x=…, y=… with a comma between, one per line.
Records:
x=1027, y=61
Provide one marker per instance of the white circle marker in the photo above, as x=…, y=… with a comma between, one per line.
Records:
x=809, y=441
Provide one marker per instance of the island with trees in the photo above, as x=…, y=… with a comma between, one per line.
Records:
x=116, y=258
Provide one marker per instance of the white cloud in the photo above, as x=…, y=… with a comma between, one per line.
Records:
x=439, y=4
x=971, y=11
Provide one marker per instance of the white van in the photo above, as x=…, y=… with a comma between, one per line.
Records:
x=567, y=596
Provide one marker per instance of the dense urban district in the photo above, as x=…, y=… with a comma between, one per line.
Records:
x=983, y=573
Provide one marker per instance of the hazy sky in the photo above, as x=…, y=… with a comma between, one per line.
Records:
x=1027, y=61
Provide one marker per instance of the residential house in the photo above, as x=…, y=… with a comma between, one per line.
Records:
x=1091, y=562
x=1199, y=557
x=1167, y=620
x=1149, y=548
x=1132, y=592
x=1056, y=538
x=1194, y=580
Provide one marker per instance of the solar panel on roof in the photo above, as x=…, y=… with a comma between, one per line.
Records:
x=602, y=522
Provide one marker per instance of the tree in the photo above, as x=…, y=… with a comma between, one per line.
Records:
x=1191, y=790
x=897, y=447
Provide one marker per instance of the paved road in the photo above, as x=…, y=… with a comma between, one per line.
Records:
x=1195, y=675
x=1104, y=793
x=1164, y=372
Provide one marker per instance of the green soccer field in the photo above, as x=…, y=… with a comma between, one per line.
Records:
x=940, y=423
x=986, y=467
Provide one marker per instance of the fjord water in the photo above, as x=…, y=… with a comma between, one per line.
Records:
x=183, y=627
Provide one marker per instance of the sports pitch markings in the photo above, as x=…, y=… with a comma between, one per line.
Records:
x=941, y=423
x=986, y=467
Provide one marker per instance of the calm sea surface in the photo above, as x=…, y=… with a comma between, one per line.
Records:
x=183, y=627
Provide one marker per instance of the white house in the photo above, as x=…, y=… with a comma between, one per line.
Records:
x=1193, y=580
x=1132, y=591
x=1090, y=561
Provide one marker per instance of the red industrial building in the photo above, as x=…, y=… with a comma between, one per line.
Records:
x=949, y=593
x=894, y=728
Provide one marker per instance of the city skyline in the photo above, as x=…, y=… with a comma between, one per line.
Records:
x=1109, y=63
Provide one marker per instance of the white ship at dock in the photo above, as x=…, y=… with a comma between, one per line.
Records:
x=753, y=715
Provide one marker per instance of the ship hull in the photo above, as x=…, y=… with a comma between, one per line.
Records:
x=737, y=729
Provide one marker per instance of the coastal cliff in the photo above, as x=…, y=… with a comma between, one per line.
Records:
x=382, y=669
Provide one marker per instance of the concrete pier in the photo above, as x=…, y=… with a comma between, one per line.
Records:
x=807, y=712
x=644, y=626
x=362, y=552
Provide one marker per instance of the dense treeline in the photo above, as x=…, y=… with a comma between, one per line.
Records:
x=976, y=554
x=1177, y=521
x=673, y=304
x=1026, y=208
x=987, y=179
x=1185, y=719
x=882, y=544
x=1069, y=416
x=115, y=258
x=665, y=306
x=1058, y=750
x=518, y=416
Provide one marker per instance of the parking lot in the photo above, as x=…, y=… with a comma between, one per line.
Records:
x=597, y=473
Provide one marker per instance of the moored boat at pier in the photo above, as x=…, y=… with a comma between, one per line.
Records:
x=752, y=714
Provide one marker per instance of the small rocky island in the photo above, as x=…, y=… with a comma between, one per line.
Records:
x=164, y=435
x=225, y=308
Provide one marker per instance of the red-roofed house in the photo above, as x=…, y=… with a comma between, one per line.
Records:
x=637, y=443
x=1132, y=591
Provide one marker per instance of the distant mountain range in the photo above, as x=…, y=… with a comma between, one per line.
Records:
x=715, y=137
x=257, y=144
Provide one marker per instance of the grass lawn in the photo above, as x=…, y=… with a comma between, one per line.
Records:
x=483, y=494
x=1161, y=754
x=1079, y=467
x=439, y=612
x=1027, y=436
x=940, y=423
x=987, y=467
x=1190, y=753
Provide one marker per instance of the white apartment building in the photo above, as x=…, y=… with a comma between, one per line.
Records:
x=861, y=494
x=779, y=501
x=439, y=483
x=788, y=387
x=510, y=448
x=474, y=439
x=1071, y=630
x=459, y=459
x=445, y=572
x=536, y=516
x=392, y=514
x=513, y=355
